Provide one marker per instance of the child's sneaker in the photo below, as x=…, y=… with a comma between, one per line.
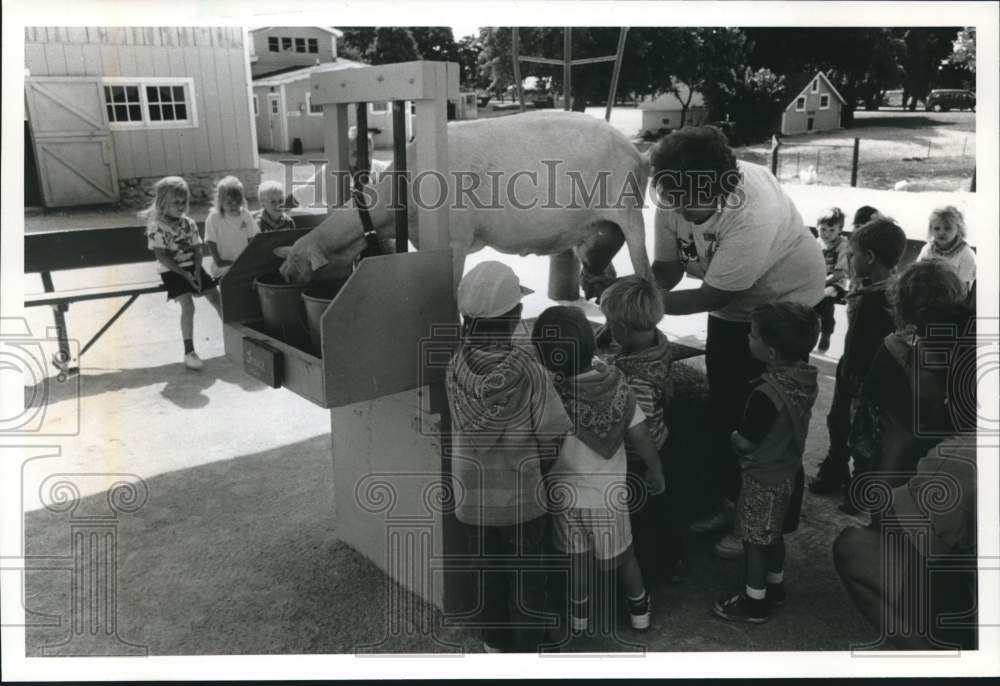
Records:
x=192, y=361
x=640, y=612
x=720, y=519
x=729, y=547
x=776, y=594
x=741, y=608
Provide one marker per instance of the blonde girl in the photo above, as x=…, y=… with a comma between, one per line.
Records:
x=229, y=226
x=174, y=239
x=946, y=242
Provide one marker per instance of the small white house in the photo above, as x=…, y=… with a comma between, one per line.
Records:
x=664, y=110
x=110, y=110
x=283, y=111
x=815, y=105
x=279, y=48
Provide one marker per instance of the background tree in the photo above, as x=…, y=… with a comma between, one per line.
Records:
x=752, y=100
x=393, y=44
x=963, y=49
x=356, y=43
x=435, y=43
x=927, y=49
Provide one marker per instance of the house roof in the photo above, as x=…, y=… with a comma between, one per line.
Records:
x=798, y=83
x=668, y=102
x=281, y=77
x=329, y=29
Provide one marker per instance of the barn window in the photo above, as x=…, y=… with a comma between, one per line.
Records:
x=313, y=45
x=378, y=107
x=149, y=103
x=815, y=88
x=256, y=106
x=800, y=104
x=286, y=43
x=300, y=45
x=824, y=102
x=311, y=109
x=123, y=104
x=272, y=43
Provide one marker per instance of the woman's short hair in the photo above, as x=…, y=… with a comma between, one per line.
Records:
x=924, y=287
x=951, y=216
x=790, y=328
x=564, y=339
x=692, y=154
x=633, y=302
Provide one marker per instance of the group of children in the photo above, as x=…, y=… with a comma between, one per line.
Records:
x=583, y=442
x=179, y=248
x=587, y=426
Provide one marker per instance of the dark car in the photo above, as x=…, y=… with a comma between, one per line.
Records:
x=942, y=100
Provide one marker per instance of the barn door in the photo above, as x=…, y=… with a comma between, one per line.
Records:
x=73, y=151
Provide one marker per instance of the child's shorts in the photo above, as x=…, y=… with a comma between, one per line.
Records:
x=761, y=510
x=178, y=285
x=604, y=531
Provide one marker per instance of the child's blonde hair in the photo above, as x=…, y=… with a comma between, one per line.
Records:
x=269, y=188
x=951, y=216
x=163, y=190
x=633, y=302
x=228, y=188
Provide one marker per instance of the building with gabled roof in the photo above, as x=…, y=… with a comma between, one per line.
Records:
x=814, y=105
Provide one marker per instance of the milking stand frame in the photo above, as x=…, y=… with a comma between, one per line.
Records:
x=386, y=339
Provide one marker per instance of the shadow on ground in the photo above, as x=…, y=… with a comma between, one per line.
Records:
x=184, y=388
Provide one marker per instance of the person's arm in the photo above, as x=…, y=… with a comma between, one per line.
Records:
x=668, y=274
x=642, y=443
x=758, y=419
x=213, y=250
x=692, y=300
x=167, y=261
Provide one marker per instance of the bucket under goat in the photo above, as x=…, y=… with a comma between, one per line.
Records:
x=281, y=308
x=316, y=298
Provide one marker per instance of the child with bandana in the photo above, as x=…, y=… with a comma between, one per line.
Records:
x=770, y=441
x=506, y=419
x=588, y=494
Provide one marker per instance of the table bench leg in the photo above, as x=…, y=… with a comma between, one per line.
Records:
x=64, y=357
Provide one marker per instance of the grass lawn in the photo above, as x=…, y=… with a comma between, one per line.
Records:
x=930, y=151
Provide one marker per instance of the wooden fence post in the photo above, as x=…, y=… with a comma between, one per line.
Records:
x=854, y=163
x=972, y=184
x=775, y=145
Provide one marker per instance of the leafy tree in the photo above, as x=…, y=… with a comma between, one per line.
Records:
x=435, y=43
x=963, y=50
x=357, y=43
x=467, y=51
x=752, y=100
x=393, y=44
x=927, y=49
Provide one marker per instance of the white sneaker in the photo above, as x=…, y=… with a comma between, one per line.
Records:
x=487, y=648
x=192, y=361
x=729, y=548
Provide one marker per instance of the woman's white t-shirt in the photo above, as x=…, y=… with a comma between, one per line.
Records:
x=756, y=244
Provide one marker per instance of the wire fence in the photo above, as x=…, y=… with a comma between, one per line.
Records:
x=870, y=164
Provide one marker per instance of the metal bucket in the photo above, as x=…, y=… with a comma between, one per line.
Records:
x=316, y=298
x=281, y=307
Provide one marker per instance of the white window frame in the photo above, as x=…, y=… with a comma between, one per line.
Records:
x=309, y=112
x=372, y=110
x=824, y=98
x=800, y=103
x=815, y=85
x=256, y=106
x=312, y=42
x=277, y=44
x=142, y=82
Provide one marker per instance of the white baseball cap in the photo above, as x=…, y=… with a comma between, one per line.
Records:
x=490, y=289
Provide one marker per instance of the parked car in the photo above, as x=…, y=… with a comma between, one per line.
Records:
x=942, y=100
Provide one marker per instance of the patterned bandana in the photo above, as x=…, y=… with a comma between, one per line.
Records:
x=798, y=389
x=491, y=389
x=600, y=406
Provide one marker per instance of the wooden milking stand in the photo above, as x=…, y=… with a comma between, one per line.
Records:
x=386, y=339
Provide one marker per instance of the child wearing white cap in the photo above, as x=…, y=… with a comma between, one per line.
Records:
x=506, y=417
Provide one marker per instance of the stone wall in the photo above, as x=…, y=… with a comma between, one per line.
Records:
x=138, y=193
